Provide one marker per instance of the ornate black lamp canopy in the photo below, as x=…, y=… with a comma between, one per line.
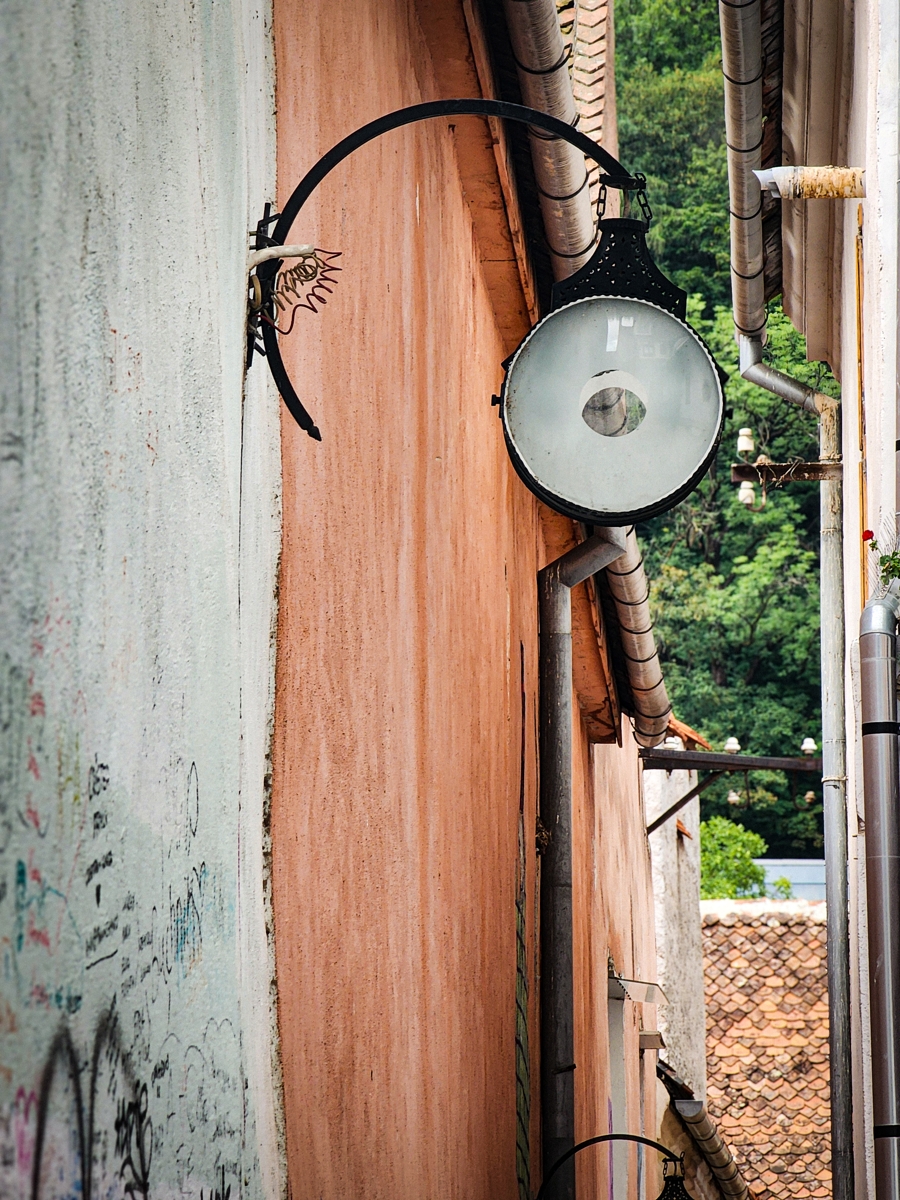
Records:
x=612, y=405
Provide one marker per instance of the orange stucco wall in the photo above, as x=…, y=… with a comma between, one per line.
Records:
x=405, y=761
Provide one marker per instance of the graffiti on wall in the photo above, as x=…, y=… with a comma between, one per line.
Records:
x=120, y=1056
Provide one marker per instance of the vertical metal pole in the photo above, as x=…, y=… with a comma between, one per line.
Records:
x=555, y=752
x=878, y=686
x=557, y=996
x=834, y=802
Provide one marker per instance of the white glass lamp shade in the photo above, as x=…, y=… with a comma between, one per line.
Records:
x=732, y=746
x=612, y=410
x=745, y=443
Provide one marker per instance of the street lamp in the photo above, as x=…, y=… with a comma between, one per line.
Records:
x=612, y=406
x=612, y=409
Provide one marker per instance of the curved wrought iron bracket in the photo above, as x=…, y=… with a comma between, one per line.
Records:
x=614, y=175
x=670, y=1155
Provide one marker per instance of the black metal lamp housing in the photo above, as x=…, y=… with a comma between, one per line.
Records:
x=612, y=406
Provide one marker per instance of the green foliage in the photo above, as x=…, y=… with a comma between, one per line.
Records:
x=666, y=34
x=672, y=127
x=734, y=595
x=781, y=888
x=727, y=869
x=888, y=564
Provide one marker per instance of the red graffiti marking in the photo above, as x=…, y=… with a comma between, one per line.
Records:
x=37, y=707
x=33, y=767
x=39, y=936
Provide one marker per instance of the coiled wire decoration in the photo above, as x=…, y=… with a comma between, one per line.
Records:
x=317, y=268
x=268, y=302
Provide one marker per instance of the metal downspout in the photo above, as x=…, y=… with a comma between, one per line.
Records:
x=542, y=69
x=742, y=68
x=631, y=592
x=878, y=684
x=559, y=169
x=558, y=1064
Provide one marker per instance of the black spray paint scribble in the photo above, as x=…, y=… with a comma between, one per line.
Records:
x=220, y=1193
x=133, y=1131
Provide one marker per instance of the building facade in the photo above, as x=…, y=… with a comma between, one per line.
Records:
x=269, y=863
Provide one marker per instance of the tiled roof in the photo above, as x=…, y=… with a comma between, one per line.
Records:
x=588, y=23
x=767, y=1041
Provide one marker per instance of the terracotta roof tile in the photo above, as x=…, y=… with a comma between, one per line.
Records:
x=767, y=1039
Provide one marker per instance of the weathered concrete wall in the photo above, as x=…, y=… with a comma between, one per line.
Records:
x=140, y=526
x=679, y=949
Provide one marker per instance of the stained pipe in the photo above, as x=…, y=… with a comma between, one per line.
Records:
x=544, y=79
x=716, y=1154
x=631, y=592
x=834, y=806
x=742, y=70
x=559, y=168
x=558, y=1063
x=878, y=684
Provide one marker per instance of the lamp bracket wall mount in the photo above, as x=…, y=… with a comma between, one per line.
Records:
x=613, y=175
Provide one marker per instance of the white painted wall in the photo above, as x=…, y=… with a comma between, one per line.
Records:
x=140, y=527
x=679, y=945
x=873, y=142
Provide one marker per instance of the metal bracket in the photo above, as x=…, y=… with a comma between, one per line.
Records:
x=613, y=175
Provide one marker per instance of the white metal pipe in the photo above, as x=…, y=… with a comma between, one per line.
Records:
x=742, y=69
x=555, y=719
x=756, y=371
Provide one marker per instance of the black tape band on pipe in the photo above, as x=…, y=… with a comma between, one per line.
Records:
x=869, y=727
x=884, y=1131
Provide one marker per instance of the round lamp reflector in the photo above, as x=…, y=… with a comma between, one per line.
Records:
x=612, y=410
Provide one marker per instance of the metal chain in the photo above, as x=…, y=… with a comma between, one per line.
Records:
x=641, y=197
x=601, y=202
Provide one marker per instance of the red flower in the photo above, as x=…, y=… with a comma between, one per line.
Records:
x=868, y=535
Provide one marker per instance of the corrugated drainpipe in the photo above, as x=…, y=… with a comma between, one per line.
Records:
x=742, y=67
x=559, y=168
x=561, y=174
x=558, y=1063
x=878, y=685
